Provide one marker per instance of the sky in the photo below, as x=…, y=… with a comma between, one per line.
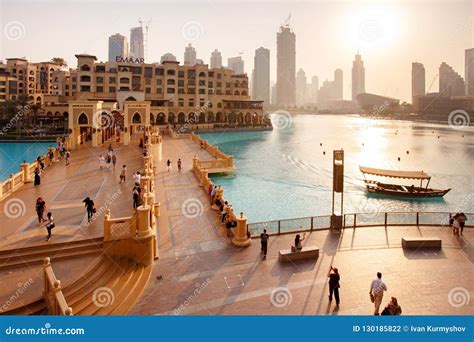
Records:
x=390, y=35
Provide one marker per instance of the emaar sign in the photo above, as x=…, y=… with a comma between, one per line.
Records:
x=121, y=59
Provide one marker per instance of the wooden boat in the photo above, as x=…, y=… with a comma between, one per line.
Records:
x=397, y=190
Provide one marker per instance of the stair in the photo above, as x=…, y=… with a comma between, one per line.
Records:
x=20, y=257
x=123, y=279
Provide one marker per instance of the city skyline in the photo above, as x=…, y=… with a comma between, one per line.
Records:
x=383, y=50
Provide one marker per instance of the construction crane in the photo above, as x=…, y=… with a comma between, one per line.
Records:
x=145, y=35
x=287, y=21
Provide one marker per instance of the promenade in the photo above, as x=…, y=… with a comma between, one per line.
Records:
x=199, y=270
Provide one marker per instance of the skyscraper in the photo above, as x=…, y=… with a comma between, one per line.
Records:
x=338, y=84
x=286, y=67
x=189, y=55
x=137, y=49
x=314, y=89
x=236, y=64
x=216, y=59
x=301, y=88
x=358, y=77
x=450, y=82
x=118, y=47
x=417, y=80
x=261, y=75
x=469, y=71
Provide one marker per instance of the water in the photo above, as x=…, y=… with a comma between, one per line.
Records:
x=284, y=174
x=12, y=154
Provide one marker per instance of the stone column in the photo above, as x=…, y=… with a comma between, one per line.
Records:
x=145, y=241
x=26, y=174
x=240, y=238
x=195, y=163
x=204, y=175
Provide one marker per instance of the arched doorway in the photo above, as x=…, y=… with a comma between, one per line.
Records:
x=152, y=119
x=171, y=118
x=248, y=118
x=83, y=120
x=181, y=118
x=202, y=117
x=191, y=118
x=219, y=117
x=160, y=119
x=136, y=118
x=210, y=117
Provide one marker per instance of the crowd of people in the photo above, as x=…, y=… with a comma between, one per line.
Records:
x=223, y=208
x=457, y=223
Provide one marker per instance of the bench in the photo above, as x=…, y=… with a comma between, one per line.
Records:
x=421, y=242
x=304, y=253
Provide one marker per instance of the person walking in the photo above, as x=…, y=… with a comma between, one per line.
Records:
x=68, y=157
x=114, y=160
x=101, y=162
x=334, y=285
x=462, y=218
x=37, y=180
x=50, y=156
x=264, y=243
x=377, y=288
x=168, y=165
x=90, y=208
x=49, y=224
x=40, y=208
x=136, y=198
x=179, y=165
x=122, y=174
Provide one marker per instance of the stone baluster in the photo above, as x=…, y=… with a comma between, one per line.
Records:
x=240, y=238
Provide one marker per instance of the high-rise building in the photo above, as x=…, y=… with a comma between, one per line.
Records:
x=118, y=47
x=274, y=94
x=261, y=75
x=168, y=57
x=450, y=82
x=338, y=85
x=189, y=55
x=301, y=88
x=314, y=89
x=417, y=79
x=137, y=49
x=326, y=92
x=358, y=77
x=469, y=71
x=216, y=59
x=236, y=64
x=286, y=66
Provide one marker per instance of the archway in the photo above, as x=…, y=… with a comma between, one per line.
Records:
x=83, y=120
x=191, y=118
x=136, y=118
x=160, y=119
x=210, y=117
x=219, y=117
x=248, y=118
x=202, y=117
x=171, y=118
x=181, y=118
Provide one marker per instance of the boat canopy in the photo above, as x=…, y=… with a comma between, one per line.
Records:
x=395, y=173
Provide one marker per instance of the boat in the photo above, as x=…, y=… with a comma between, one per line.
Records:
x=397, y=190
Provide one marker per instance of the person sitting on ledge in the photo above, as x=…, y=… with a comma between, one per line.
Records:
x=392, y=308
x=298, y=246
x=230, y=221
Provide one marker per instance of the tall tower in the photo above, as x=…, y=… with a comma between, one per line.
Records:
x=338, y=84
x=137, y=49
x=261, y=75
x=190, y=55
x=314, y=89
x=358, y=77
x=417, y=80
x=236, y=64
x=469, y=71
x=301, y=87
x=450, y=82
x=286, y=66
x=118, y=47
x=216, y=59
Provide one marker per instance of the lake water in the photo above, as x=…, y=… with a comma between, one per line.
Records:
x=284, y=173
x=12, y=154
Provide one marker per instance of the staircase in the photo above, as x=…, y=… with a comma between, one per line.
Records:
x=111, y=287
x=34, y=255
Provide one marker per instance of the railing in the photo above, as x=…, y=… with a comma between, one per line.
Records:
x=53, y=293
x=354, y=220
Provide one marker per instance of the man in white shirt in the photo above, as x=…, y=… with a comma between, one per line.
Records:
x=377, y=288
x=136, y=177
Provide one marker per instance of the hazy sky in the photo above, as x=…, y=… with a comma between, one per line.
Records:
x=389, y=34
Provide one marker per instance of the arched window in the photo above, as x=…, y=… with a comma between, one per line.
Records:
x=219, y=117
x=38, y=99
x=202, y=117
x=219, y=105
x=181, y=118
x=160, y=119
x=236, y=93
x=210, y=117
x=244, y=93
x=248, y=118
x=124, y=80
x=57, y=114
x=202, y=74
x=83, y=120
x=152, y=118
x=171, y=118
x=85, y=67
x=130, y=98
x=136, y=118
x=236, y=84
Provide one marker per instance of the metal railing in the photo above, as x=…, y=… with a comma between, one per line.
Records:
x=353, y=220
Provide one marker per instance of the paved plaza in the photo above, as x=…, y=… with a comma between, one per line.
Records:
x=199, y=270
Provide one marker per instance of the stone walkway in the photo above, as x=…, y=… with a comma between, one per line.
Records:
x=201, y=273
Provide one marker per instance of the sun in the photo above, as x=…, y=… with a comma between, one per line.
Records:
x=372, y=27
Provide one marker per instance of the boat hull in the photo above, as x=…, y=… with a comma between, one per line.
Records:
x=400, y=191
